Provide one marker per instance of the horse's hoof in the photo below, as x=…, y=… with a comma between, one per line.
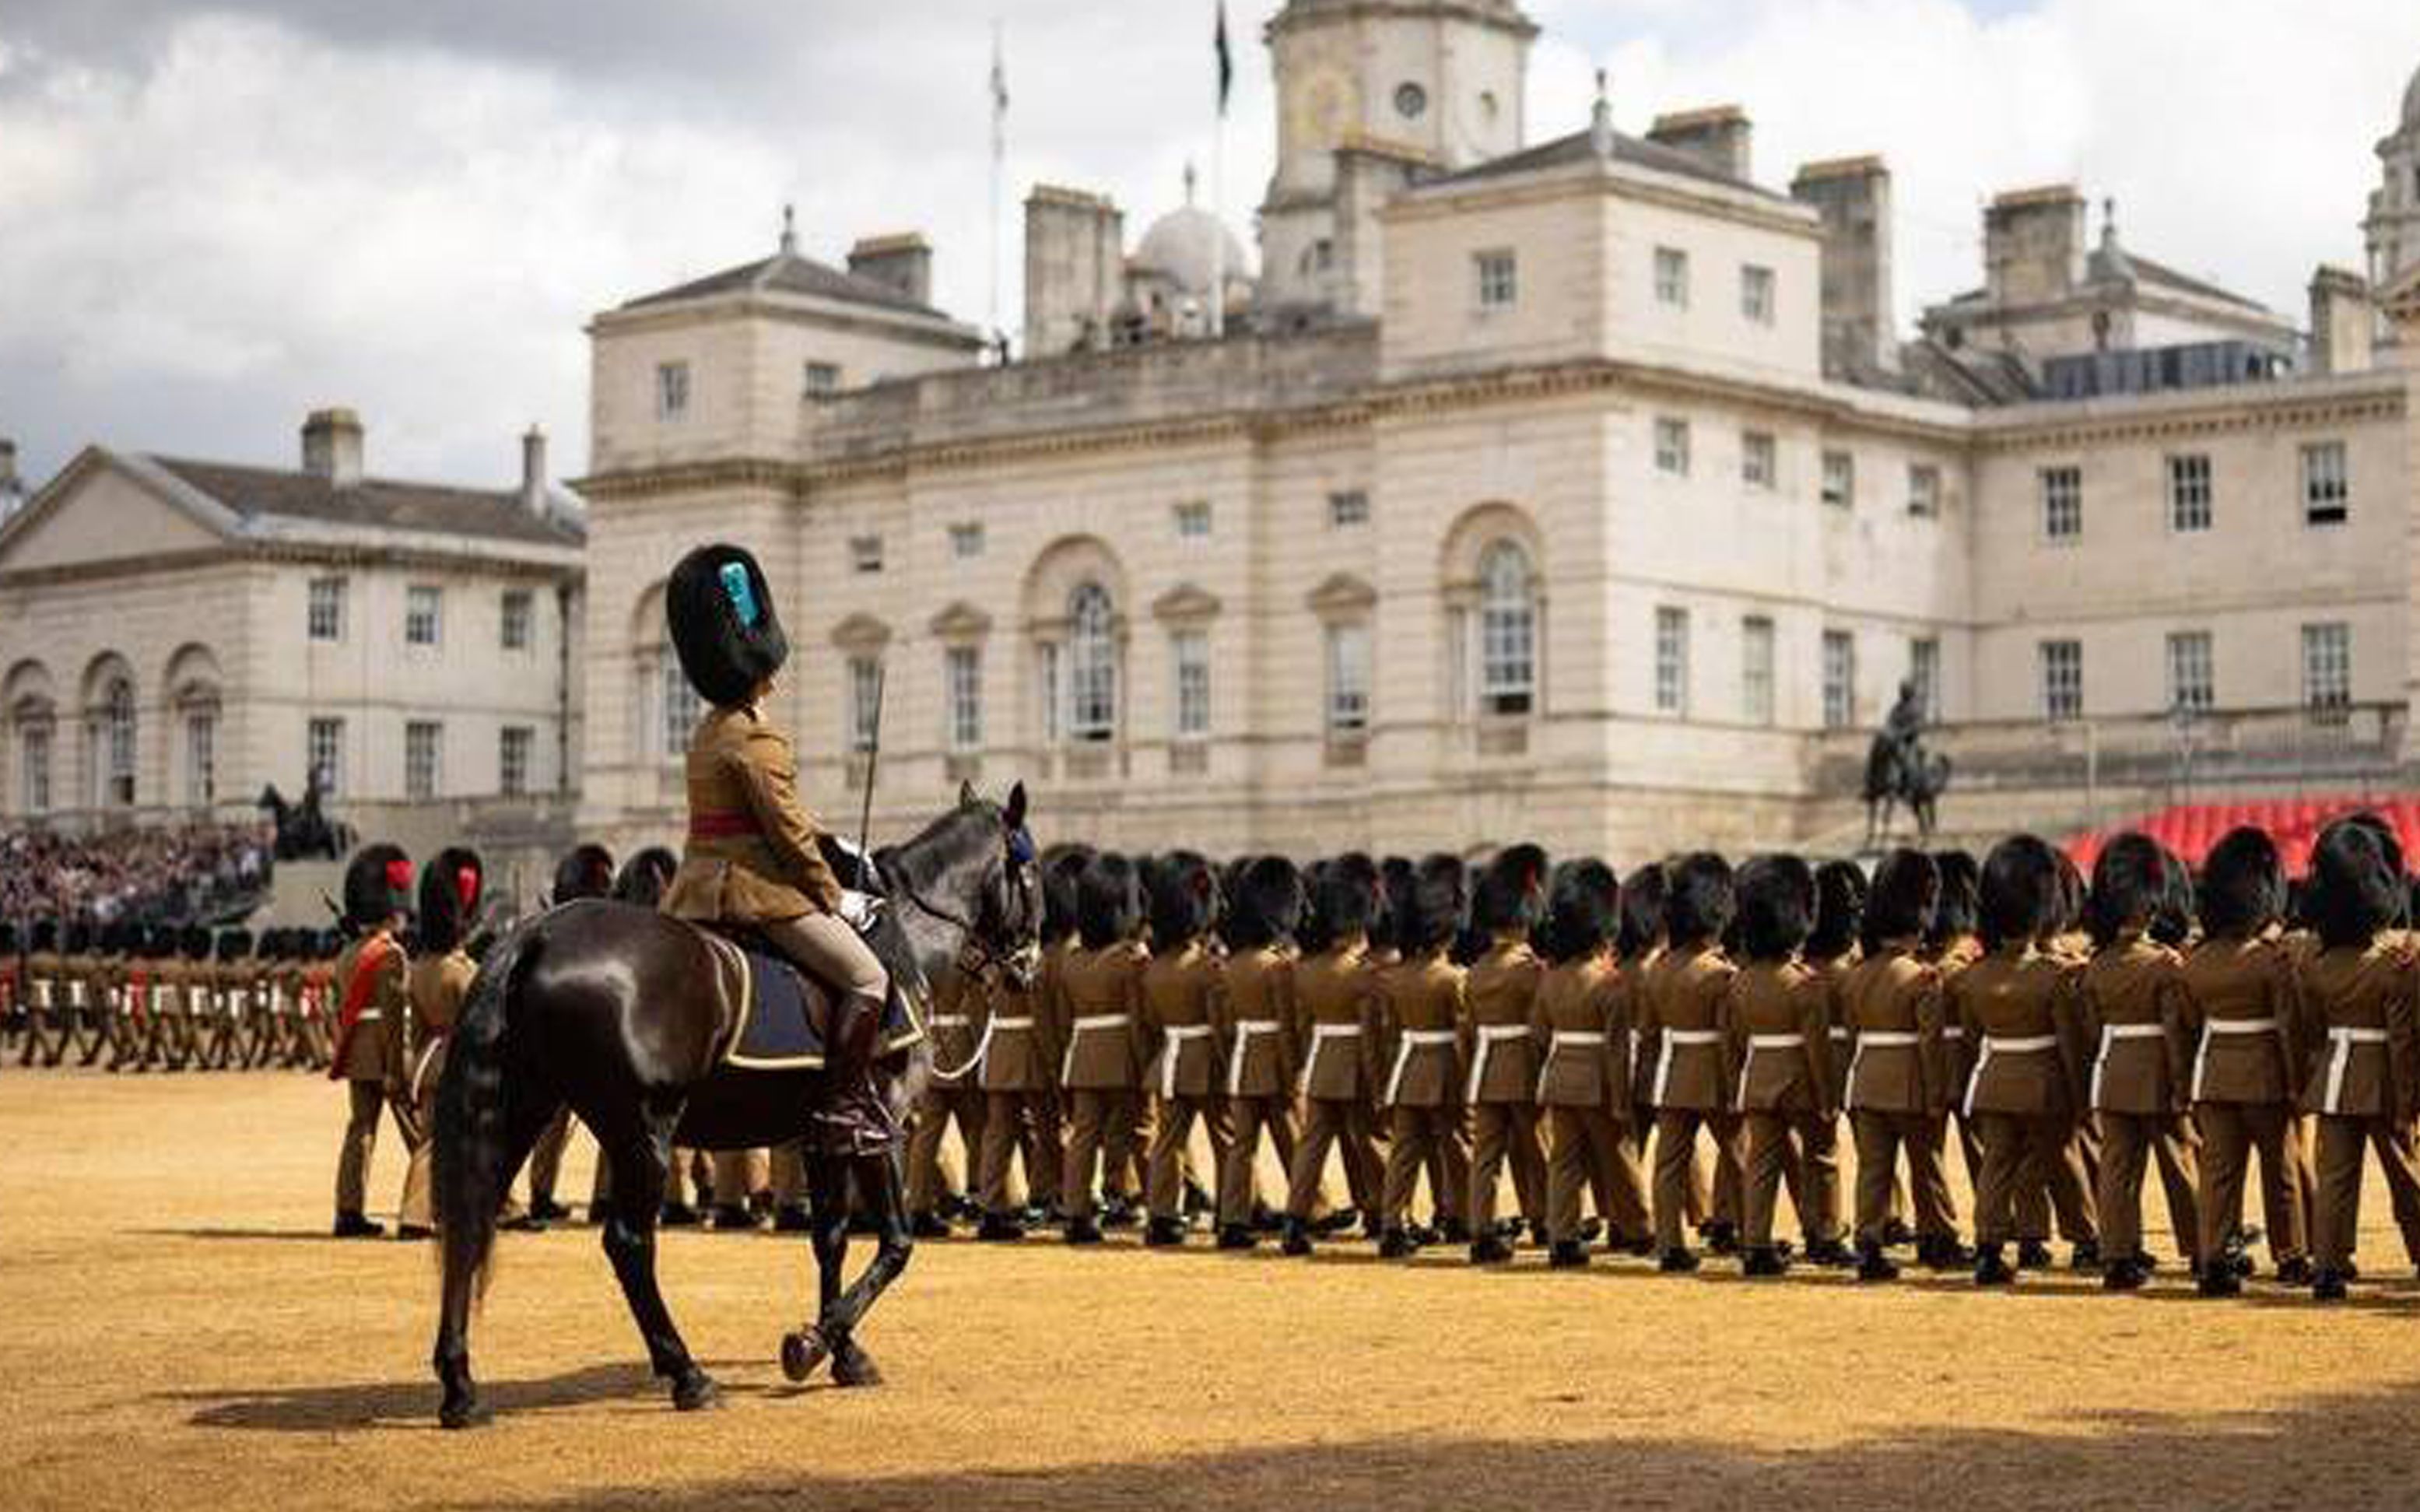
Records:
x=696, y=1390
x=464, y=1412
x=853, y=1367
x=802, y=1351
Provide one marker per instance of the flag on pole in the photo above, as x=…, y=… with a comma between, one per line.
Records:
x=999, y=90
x=1226, y=60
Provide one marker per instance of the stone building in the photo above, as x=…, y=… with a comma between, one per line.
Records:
x=1580, y=488
x=176, y=635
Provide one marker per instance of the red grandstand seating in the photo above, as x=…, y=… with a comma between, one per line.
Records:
x=2191, y=830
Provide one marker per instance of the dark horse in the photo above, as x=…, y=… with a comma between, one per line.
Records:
x=1892, y=778
x=624, y=1014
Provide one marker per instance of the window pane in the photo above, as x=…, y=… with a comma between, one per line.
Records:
x=423, y=609
x=681, y=706
x=1672, y=661
x=1756, y=670
x=1498, y=281
x=2062, y=678
x=1351, y=508
x=2062, y=501
x=515, y=624
x=1091, y=665
x=1672, y=277
x=2191, y=684
x=201, y=758
x=2189, y=493
x=1924, y=670
x=1839, y=679
x=1192, y=650
x=326, y=615
x=513, y=760
x=1923, y=489
x=966, y=540
x=2327, y=665
x=864, y=702
x=420, y=759
x=1506, y=630
x=1839, y=479
x=1757, y=459
x=326, y=755
x=1348, y=679
x=962, y=678
x=1672, y=446
x=2326, y=489
x=1756, y=294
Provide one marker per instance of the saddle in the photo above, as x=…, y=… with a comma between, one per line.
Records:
x=790, y=1022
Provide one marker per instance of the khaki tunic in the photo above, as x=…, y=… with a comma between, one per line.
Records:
x=1681, y=1015
x=2241, y=999
x=1337, y=1004
x=1577, y=1014
x=1502, y=992
x=374, y=1052
x=2021, y=1033
x=1776, y=1023
x=1177, y=994
x=436, y=990
x=1257, y=1023
x=752, y=856
x=2358, y=1018
x=1424, y=1002
x=2134, y=1009
x=1898, y=1060
x=1100, y=1000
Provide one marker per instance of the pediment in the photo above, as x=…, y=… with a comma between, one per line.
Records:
x=107, y=508
x=1187, y=601
x=1341, y=593
x=959, y=621
x=861, y=632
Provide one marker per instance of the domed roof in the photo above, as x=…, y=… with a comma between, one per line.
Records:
x=1186, y=245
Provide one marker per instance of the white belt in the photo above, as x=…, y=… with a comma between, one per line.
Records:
x=947, y=1021
x=2341, y=1041
x=2223, y=1027
x=2110, y=1034
x=2006, y=1045
x=1320, y=1035
x=1567, y=1039
x=1837, y=1032
x=1489, y=1036
x=369, y=1016
x=1006, y=1020
x=1175, y=1032
x=1089, y=1020
x=1953, y=1031
x=1409, y=1040
x=420, y=1071
x=1244, y=1030
x=1666, y=1041
x=1878, y=1040
x=1755, y=1043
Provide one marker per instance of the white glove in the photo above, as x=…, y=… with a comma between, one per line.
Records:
x=858, y=909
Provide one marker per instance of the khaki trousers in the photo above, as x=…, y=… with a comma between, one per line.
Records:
x=1171, y=1139
x=1098, y=1127
x=1880, y=1138
x=1586, y=1151
x=2023, y=1151
x=1349, y=1129
x=942, y=1104
x=365, y=1101
x=2127, y=1143
x=1502, y=1131
x=740, y=1174
x=1006, y=1118
x=833, y=953
x=546, y=1157
x=2230, y=1133
x=2335, y=1219
x=1249, y=1118
x=1772, y=1137
x=1676, y=1156
x=1421, y=1137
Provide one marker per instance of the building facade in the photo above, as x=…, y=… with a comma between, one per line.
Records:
x=1579, y=489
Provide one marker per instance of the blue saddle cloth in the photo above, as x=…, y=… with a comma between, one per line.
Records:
x=777, y=1024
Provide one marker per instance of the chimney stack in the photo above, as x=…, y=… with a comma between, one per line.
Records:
x=1074, y=268
x=331, y=448
x=904, y=262
x=1717, y=137
x=2033, y=245
x=533, y=471
x=1854, y=197
x=2343, y=318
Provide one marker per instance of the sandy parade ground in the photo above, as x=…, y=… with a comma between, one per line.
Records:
x=177, y=1330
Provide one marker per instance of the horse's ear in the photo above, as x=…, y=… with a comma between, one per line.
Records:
x=1014, y=815
x=966, y=795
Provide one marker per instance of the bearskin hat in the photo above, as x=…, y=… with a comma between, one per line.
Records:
x=1267, y=906
x=1344, y=901
x=1642, y=910
x=44, y=935
x=1959, y=908
x=724, y=629
x=77, y=938
x=1511, y=893
x=378, y=885
x=2354, y=890
x=1901, y=905
x=1839, y=909
x=451, y=891
x=2173, y=925
x=644, y=877
x=196, y=942
x=1698, y=899
x=8, y=937
x=1183, y=897
x=1436, y=903
x=2017, y=897
x=1777, y=906
x=1109, y=900
x=1395, y=878
x=234, y=944
x=1583, y=910
x=586, y=871
x=2129, y=883
x=1060, y=871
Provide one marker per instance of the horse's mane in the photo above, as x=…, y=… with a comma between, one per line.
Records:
x=932, y=849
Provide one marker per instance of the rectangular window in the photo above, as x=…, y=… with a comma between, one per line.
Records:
x=2327, y=490
x=423, y=612
x=2062, y=679
x=1048, y=676
x=1348, y=679
x=822, y=378
x=2189, y=492
x=865, y=553
x=966, y=540
x=2192, y=684
x=2327, y=665
x=962, y=691
x=1756, y=294
x=514, y=632
x=325, y=751
x=1192, y=654
x=1499, y=279
x=1839, y=479
x=1672, y=278
x=1193, y=521
x=681, y=706
x=1348, y=509
x=34, y=770
x=422, y=740
x=514, y=743
x=864, y=701
x=1672, y=446
x=1923, y=489
x=1924, y=670
x=1757, y=458
x=1839, y=679
x=327, y=611
x=1672, y=661
x=1756, y=670
x=201, y=759
x=672, y=390
x=2062, y=503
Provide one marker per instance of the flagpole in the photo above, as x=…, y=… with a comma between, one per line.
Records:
x=1218, y=189
x=998, y=158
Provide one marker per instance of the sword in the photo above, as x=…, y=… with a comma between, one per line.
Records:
x=873, y=759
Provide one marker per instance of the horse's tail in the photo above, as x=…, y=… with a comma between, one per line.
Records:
x=471, y=1103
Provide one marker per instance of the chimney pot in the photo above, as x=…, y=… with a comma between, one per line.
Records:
x=533, y=471
x=332, y=446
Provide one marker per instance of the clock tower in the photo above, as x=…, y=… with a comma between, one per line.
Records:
x=1402, y=82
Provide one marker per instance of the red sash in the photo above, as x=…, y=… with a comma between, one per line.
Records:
x=357, y=998
x=138, y=997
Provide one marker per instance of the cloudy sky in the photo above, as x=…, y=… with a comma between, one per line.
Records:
x=213, y=218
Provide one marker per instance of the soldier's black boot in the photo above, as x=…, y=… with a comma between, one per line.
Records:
x=1830, y=1253
x=792, y=1217
x=1677, y=1262
x=1722, y=1239
x=732, y=1218
x=999, y=1228
x=928, y=1225
x=1298, y=1238
x=2124, y=1275
x=2328, y=1286
x=1943, y=1251
x=1567, y=1255
x=1992, y=1266
x=1083, y=1231
x=1872, y=1264
x=677, y=1215
x=1396, y=1245
x=2219, y=1281
x=2294, y=1271
x=1453, y=1231
x=1896, y=1235
x=353, y=1225
x=1490, y=1250
x=1237, y=1237
x=2084, y=1256
x=1764, y=1260
x=1164, y=1233
x=2033, y=1255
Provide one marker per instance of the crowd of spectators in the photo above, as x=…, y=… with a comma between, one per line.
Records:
x=197, y=873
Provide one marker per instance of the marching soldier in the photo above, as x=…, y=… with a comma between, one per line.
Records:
x=1338, y=1029
x=2357, y=1007
x=2239, y=983
x=1777, y=1032
x=435, y=986
x=1502, y=1084
x=13, y=1016
x=1426, y=1010
x=1100, y=998
x=1021, y=1053
x=218, y=983
x=2027, y=1088
x=2133, y=1006
x=369, y=1055
x=1179, y=990
x=952, y=1095
x=1680, y=1006
x=1637, y=948
x=1257, y=1011
x=46, y=993
x=1901, y=1077
x=1580, y=1018
x=1952, y=944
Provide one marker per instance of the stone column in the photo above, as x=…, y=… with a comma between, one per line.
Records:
x=2400, y=306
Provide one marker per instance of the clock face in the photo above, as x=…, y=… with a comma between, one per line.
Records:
x=1410, y=101
x=1325, y=105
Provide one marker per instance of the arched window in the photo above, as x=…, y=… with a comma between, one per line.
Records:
x=681, y=706
x=117, y=743
x=1091, y=665
x=1507, y=630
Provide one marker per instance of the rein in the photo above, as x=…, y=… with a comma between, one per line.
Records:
x=969, y=939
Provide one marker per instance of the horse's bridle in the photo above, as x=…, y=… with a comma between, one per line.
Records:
x=970, y=937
